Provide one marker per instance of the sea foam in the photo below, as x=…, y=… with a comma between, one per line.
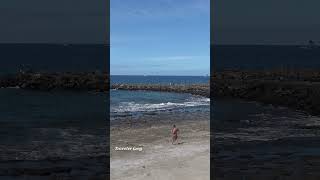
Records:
x=149, y=107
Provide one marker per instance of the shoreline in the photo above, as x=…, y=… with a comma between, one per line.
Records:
x=155, y=157
x=298, y=95
x=293, y=88
x=297, y=89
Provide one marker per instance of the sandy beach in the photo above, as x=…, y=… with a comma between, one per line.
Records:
x=154, y=157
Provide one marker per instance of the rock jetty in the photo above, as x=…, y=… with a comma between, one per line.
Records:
x=295, y=89
x=195, y=89
x=50, y=81
x=298, y=90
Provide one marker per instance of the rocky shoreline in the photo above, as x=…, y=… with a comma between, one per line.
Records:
x=299, y=89
x=50, y=81
x=195, y=89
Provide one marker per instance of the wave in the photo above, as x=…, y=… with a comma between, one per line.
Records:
x=125, y=107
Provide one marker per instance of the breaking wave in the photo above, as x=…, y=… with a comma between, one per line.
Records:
x=149, y=107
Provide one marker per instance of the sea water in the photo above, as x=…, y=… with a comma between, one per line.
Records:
x=137, y=103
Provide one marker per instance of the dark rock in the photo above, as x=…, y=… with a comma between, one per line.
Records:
x=46, y=81
x=195, y=89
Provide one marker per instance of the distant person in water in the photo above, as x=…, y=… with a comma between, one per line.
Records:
x=174, y=132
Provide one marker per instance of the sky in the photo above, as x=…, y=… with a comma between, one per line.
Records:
x=265, y=21
x=162, y=37
x=54, y=21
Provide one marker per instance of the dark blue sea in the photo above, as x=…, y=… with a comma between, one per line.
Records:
x=38, y=125
x=43, y=125
x=264, y=56
x=91, y=57
x=54, y=57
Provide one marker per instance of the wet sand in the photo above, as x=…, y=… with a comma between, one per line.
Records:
x=158, y=158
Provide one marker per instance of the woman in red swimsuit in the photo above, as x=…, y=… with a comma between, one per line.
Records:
x=174, y=133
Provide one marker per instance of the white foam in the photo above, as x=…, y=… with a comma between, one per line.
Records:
x=149, y=107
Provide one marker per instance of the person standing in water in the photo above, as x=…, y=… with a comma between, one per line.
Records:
x=174, y=132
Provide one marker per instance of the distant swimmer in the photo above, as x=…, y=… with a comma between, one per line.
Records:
x=174, y=133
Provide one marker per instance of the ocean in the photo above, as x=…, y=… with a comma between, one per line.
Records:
x=92, y=57
x=264, y=56
x=42, y=125
x=135, y=104
x=39, y=125
x=257, y=57
x=54, y=57
x=261, y=137
x=73, y=120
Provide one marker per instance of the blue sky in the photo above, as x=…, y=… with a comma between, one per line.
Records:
x=160, y=37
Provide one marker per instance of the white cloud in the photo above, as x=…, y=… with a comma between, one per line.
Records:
x=177, y=58
x=159, y=9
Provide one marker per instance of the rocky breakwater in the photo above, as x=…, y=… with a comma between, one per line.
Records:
x=300, y=92
x=50, y=81
x=195, y=89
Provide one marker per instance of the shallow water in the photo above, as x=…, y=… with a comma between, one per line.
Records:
x=137, y=103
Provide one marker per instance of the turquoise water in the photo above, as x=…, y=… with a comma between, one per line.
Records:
x=136, y=103
x=141, y=102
